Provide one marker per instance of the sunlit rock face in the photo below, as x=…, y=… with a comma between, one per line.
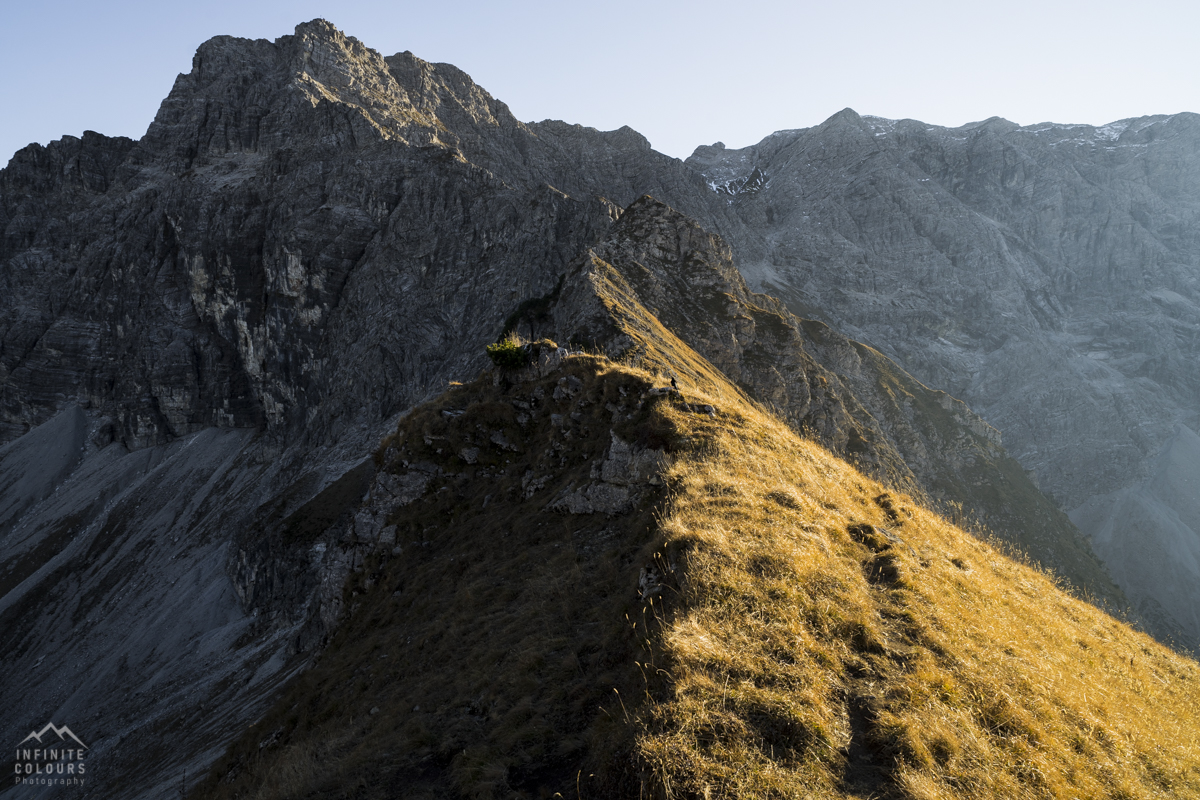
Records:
x=1049, y=275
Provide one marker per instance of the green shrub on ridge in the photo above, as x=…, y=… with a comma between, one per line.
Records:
x=508, y=353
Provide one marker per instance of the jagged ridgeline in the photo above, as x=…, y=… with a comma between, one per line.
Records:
x=590, y=585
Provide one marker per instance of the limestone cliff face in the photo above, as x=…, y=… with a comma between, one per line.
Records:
x=1048, y=275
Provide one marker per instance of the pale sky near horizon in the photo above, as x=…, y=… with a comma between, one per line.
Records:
x=681, y=73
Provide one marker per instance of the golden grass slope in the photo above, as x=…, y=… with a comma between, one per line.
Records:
x=816, y=636
x=829, y=639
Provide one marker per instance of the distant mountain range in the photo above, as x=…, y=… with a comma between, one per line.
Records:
x=1048, y=275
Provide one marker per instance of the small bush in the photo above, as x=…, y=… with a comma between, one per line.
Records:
x=508, y=353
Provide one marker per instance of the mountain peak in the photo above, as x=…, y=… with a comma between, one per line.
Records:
x=992, y=124
x=319, y=27
x=846, y=115
x=329, y=46
x=316, y=88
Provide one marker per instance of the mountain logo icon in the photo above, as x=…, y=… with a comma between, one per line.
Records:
x=50, y=726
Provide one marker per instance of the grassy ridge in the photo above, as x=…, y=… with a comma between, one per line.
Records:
x=767, y=623
x=810, y=635
x=830, y=639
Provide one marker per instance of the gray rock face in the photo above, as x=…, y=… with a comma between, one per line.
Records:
x=1150, y=534
x=35, y=465
x=309, y=239
x=618, y=481
x=155, y=599
x=1048, y=275
x=118, y=616
x=270, y=253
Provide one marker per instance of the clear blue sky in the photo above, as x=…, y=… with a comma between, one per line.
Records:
x=682, y=73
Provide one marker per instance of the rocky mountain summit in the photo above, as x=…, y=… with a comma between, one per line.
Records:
x=205, y=335
x=239, y=264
